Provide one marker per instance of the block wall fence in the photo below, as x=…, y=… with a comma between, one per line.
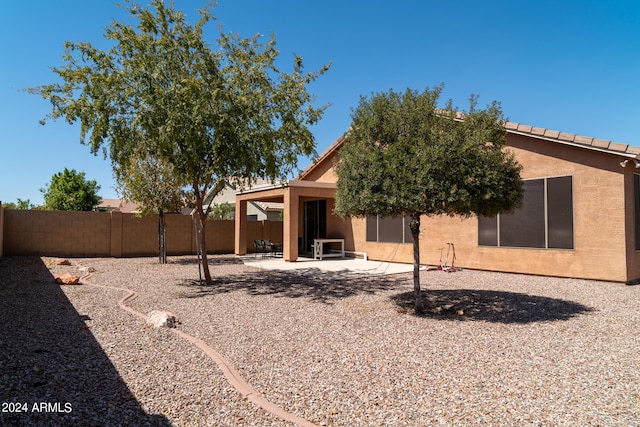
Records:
x=116, y=234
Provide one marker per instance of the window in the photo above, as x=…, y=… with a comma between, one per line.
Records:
x=389, y=229
x=545, y=219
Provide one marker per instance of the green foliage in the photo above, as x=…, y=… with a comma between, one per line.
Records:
x=151, y=182
x=404, y=156
x=70, y=191
x=24, y=204
x=222, y=211
x=209, y=113
x=20, y=204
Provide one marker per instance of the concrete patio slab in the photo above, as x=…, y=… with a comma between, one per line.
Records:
x=344, y=267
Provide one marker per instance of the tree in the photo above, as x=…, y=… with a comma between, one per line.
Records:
x=210, y=114
x=151, y=182
x=24, y=204
x=20, y=204
x=221, y=210
x=404, y=156
x=70, y=191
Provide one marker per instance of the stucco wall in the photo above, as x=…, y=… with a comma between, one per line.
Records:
x=323, y=171
x=603, y=221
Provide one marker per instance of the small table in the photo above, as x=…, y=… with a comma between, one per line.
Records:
x=318, y=246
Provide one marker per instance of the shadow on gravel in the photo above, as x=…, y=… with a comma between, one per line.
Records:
x=490, y=306
x=52, y=370
x=322, y=287
x=212, y=261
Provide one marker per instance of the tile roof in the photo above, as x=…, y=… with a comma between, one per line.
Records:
x=559, y=137
x=574, y=140
x=118, y=205
x=270, y=206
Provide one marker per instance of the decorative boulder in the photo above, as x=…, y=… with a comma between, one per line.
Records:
x=62, y=261
x=66, y=279
x=161, y=319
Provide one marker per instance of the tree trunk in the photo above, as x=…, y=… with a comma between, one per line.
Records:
x=202, y=217
x=203, y=246
x=162, y=238
x=414, y=225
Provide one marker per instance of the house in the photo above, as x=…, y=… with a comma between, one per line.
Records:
x=256, y=210
x=117, y=205
x=580, y=215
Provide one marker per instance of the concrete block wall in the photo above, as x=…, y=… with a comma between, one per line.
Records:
x=100, y=234
x=220, y=236
x=56, y=233
x=140, y=235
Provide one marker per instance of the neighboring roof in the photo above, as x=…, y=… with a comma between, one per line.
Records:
x=564, y=138
x=270, y=206
x=118, y=205
x=259, y=183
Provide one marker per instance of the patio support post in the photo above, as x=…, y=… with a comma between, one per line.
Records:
x=241, y=227
x=290, y=226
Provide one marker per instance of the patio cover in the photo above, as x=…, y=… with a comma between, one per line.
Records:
x=291, y=194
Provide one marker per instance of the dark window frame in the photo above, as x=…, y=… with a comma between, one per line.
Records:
x=388, y=229
x=545, y=221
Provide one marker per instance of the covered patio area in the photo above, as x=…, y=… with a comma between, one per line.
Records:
x=308, y=207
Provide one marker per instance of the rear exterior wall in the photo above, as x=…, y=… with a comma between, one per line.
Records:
x=602, y=221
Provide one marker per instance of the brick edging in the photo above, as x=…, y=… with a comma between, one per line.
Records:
x=229, y=371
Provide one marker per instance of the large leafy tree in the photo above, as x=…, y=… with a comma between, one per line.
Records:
x=71, y=191
x=405, y=156
x=210, y=114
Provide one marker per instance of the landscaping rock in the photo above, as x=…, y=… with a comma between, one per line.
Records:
x=87, y=269
x=62, y=261
x=161, y=319
x=67, y=279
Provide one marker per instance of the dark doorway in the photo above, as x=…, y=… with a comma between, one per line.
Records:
x=314, y=224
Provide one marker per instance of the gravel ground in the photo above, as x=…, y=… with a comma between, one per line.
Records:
x=493, y=349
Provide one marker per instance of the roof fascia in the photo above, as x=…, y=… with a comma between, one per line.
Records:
x=626, y=153
x=335, y=145
x=629, y=151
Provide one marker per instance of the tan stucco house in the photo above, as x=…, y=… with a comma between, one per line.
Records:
x=117, y=205
x=256, y=210
x=580, y=216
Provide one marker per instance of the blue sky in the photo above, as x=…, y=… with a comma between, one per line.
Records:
x=572, y=66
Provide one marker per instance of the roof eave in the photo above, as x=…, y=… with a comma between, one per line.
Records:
x=624, y=151
x=335, y=145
